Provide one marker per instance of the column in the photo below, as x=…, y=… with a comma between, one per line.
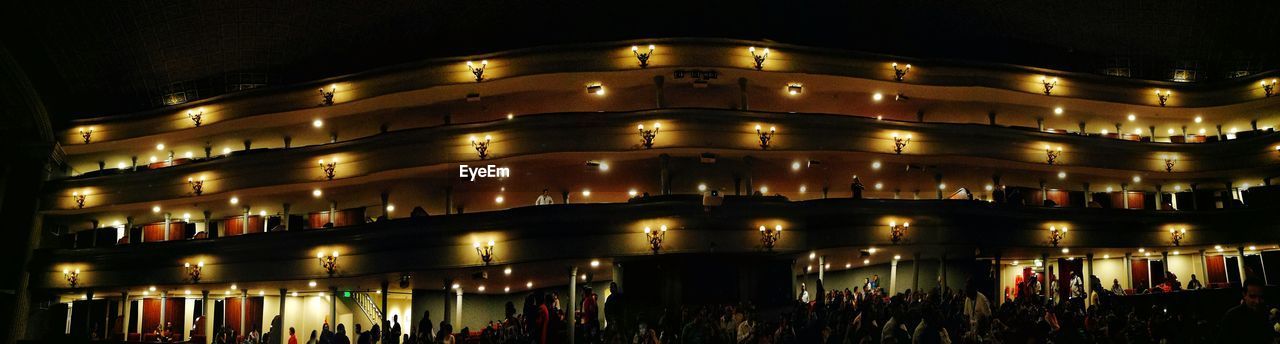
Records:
x=208, y=229
x=1159, y=196
x=1194, y=203
x=284, y=327
x=448, y=316
x=938, y=178
x=128, y=230
x=244, y=301
x=664, y=179
x=942, y=270
x=746, y=162
x=333, y=307
x=915, y=271
x=333, y=213
x=384, y=303
x=1164, y=259
x=995, y=186
x=284, y=218
x=1128, y=270
x=207, y=316
x=1044, y=287
x=998, y=295
x=1044, y=192
x=168, y=219
x=1124, y=195
x=448, y=204
x=1203, y=271
x=822, y=264
x=1088, y=273
x=573, y=303
x=893, y=276
x=88, y=320
x=244, y=225
x=124, y=297
x=458, y=306
x=1240, y=264
x=386, y=201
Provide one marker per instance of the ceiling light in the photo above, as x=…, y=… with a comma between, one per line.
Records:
x=317, y=123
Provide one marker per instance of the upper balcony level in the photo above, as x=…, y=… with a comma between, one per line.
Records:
x=712, y=74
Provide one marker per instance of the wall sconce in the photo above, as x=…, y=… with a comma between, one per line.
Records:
x=79, y=198
x=1051, y=155
x=759, y=58
x=655, y=237
x=478, y=72
x=329, y=262
x=1163, y=97
x=900, y=142
x=72, y=276
x=647, y=135
x=900, y=73
x=193, y=272
x=795, y=89
x=197, y=185
x=1176, y=236
x=765, y=137
x=1056, y=235
x=327, y=96
x=596, y=89
x=896, y=232
x=1169, y=161
x=642, y=57
x=1049, y=84
x=482, y=147
x=86, y=133
x=196, y=116
x=485, y=252
x=1269, y=89
x=330, y=168
x=769, y=237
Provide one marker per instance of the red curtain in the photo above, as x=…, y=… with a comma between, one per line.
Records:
x=1059, y=197
x=255, y=224
x=231, y=314
x=153, y=232
x=345, y=217
x=1141, y=278
x=1216, y=268
x=174, y=307
x=1136, y=200
x=177, y=231
x=253, y=315
x=317, y=220
x=150, y=315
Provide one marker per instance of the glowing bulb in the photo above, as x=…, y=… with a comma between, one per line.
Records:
x=875, y=165
x=235, y=200
x=1199, y=119
x=702, y=187
x=877, y=97
x=317, y=123
x=316, y=193
x=1057, y=111
x=499, y=200
x=1132, y=117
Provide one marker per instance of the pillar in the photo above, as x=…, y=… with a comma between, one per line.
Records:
x=915, y=271
x=244, y=300
x=244, y=223
x=124, y=297
x=164, y=296
x=991, y=118
x=1044, y=287
x=88, y=320
x=458, y=308
x=1240, y=264
x=746, y=162
x=1044, y=192
x=938, y=178
x=660, y=99
x=893, y=276
x=288, y=141
x=1088, y=195
x=283, y=331
x=386, y=201
x=333, y=307
x=664, y=179
x=1088, y=276
x=742, y=92
x=1159, y=196
x=942, y=270
x=920, y=116
x=448, y=204
x=573, y=303
x=1164, y=259
x=1221, y=137
x=284, y=219
x=1203, y=271
x=998, y=295
x=1040, y=123
x=168, y=219
x=822, y=264
x=1082, y=128
x=128, y=230
x=1124, y=195
x=1128, y=270
x=1194, y=203
x=207, y=316
x=447, y=316
x=384, y=303
x=333, y=213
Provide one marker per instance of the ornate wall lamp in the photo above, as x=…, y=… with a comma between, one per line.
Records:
x=1051, y=155
x=900, y=142
x=196, y=116
x=643, y=58
x=485, y=252
x=1056, y=235
x=770, y=236
x=759, y=58
x=1268, y=88
x=655, y=238
x=647, y=135
x=1163, y=97
x=72, y=276
x=330, y=168
x=896, y=232
x=900, y=73
x=765, y=137
x=86, y=134
x=1176, y=235
x=193, y=271
x=327, y=96
x=478, y=71
x=328, y=262
x=197, y=185
x=79, y=198
x=482, y=147
x=1049, y=84
x=1169, y=161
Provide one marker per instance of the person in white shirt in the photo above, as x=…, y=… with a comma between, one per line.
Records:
x=544, y=199
x=804, y=294
x=976, y=308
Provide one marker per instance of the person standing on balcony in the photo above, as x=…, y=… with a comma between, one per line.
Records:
x=544, y=199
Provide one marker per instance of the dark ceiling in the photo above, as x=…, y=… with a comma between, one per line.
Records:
x=94, y=58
